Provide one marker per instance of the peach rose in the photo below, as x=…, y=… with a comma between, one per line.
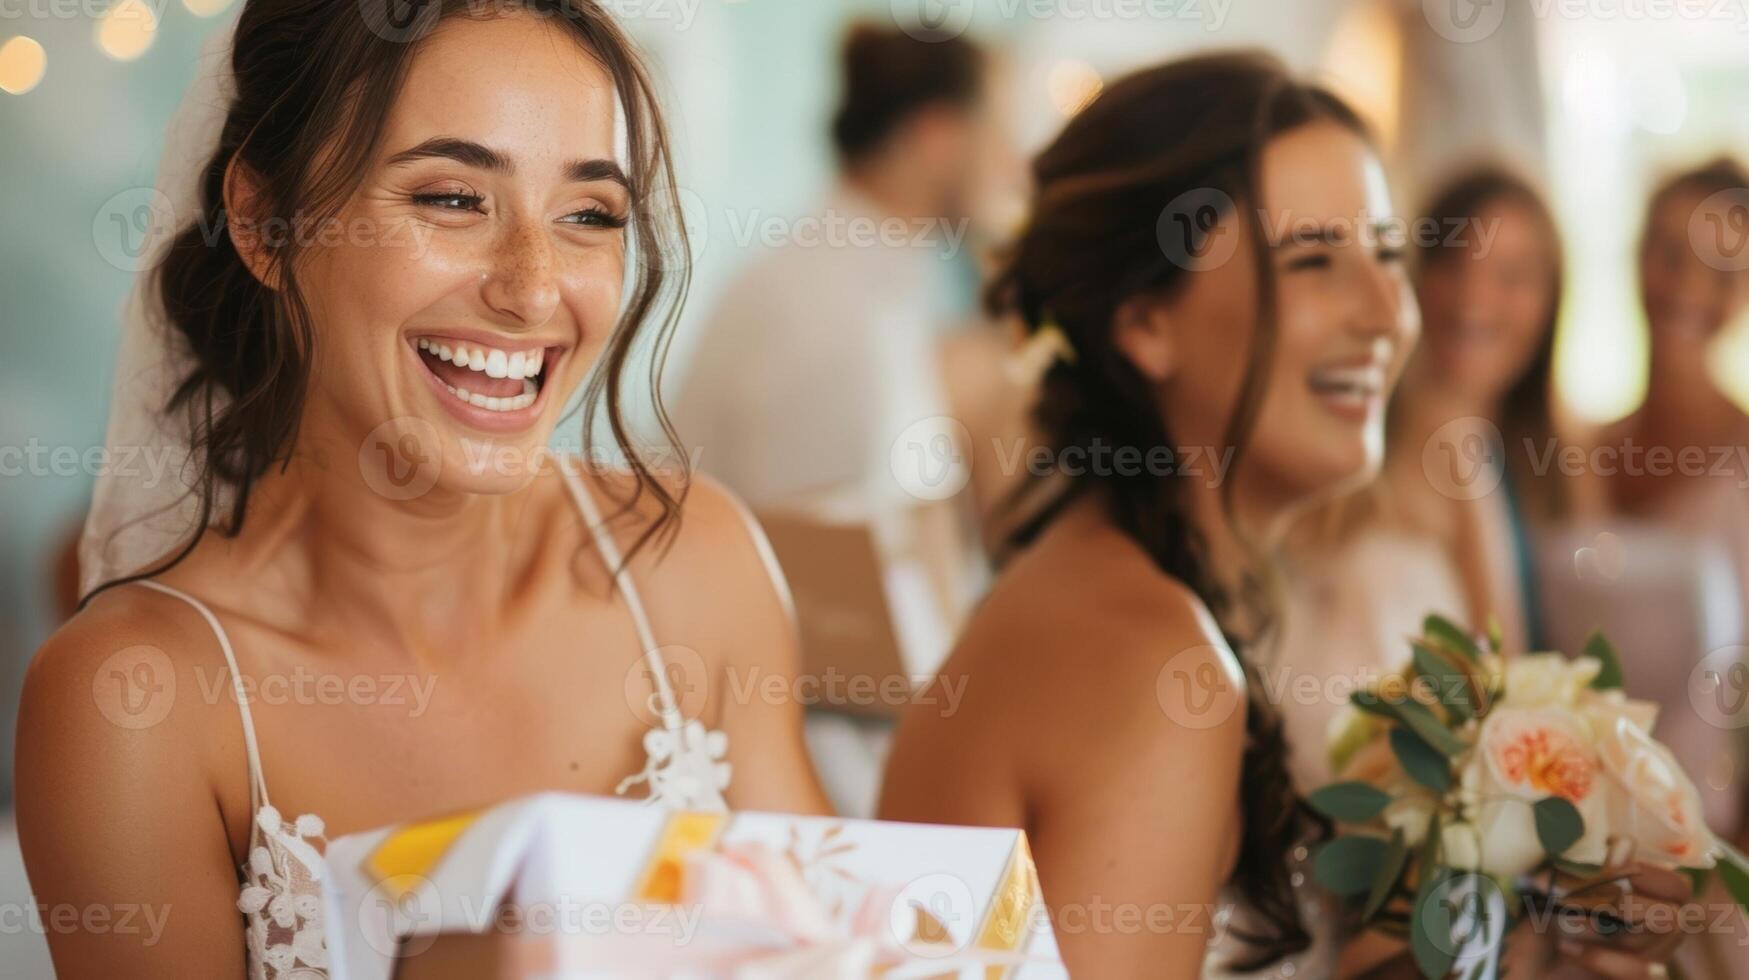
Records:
x=1524, y=755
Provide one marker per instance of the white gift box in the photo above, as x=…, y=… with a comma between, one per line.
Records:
x=628, y=889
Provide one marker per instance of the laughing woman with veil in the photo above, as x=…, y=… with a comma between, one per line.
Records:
x=393, y=255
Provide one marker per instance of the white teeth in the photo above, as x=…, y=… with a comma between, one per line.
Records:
x=493, y=363
x=530, y=391
x=1359, y=381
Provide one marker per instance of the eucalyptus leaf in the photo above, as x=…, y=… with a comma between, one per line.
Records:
x=1396, y=856
x=1350, y=802
x=1611, y=677
x=1430, y=939
x=1413, y=714
x=1734, y=872
x=1421, y=761
x=1347, y=866
x=1558, y=824
x=1450, y=634
x=1452, y=682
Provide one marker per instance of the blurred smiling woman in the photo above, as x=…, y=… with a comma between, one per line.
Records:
x=365, y=414
x=1113, y=704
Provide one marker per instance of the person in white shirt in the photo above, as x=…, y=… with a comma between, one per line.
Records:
x=823, y=350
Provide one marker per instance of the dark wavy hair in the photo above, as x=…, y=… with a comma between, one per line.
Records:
x=1193, y=126
x=315, y=80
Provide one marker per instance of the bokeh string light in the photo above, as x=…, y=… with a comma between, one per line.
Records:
x=22, y=65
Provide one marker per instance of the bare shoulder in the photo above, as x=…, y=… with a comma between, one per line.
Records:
x=1086, y=621
x=132, y=662
x=1084, y=651
x=132, y=686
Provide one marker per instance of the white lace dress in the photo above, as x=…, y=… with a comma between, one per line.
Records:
x=281, y=898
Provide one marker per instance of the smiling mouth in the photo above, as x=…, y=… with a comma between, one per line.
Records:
x=492, y=379
x=1353, y=389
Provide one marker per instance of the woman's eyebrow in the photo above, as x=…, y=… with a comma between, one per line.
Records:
x=596, y=168
x=461, y=151
x=473, y=154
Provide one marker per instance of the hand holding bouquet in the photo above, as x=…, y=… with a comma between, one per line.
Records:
x=1474, y=784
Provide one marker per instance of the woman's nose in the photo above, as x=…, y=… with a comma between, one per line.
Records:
x=1379, y=298
x=520, y=281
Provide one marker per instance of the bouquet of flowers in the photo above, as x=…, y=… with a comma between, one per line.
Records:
x=1468, y=777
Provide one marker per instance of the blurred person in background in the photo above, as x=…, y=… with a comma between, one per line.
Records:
x=1665, y=570
x=1656, y=554
x=823, y=350
x=821, y=358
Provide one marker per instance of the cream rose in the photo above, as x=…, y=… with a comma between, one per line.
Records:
x=1537, y=680
x=1524, y=755
x=1653, y=803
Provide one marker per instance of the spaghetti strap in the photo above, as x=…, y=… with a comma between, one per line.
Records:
x=257, y=782
x=610, y=555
